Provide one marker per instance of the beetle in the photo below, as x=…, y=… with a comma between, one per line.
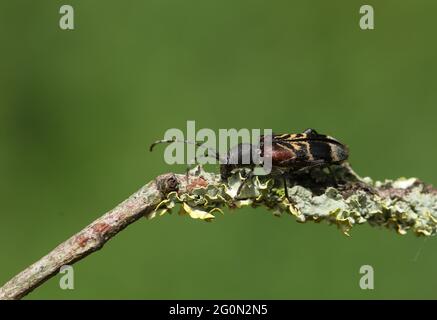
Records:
x=290, y=154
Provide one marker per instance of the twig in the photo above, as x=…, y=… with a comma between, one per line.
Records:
x=90, y=239
x=345, y=201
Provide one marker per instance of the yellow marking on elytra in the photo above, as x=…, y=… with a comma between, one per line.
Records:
x=297, y=146
x=309, y=154
x=334, y=152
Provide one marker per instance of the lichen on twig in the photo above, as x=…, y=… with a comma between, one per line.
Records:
x=402, y=204
x=337, y=196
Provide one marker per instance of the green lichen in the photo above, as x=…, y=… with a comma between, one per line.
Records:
x=402, y=205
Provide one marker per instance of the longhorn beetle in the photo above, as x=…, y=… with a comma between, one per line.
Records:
x=290, y=153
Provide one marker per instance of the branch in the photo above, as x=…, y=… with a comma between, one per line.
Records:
x=90, y=239
x=337, y=196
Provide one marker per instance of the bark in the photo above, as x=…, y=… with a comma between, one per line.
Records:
x=337, y=196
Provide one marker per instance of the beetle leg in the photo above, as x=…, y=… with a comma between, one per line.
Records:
x=314, y=164
x=334, y=176
x=291, y=201
x=187, y=175
x=284, y=180
x=248, y=177
x=189, y=168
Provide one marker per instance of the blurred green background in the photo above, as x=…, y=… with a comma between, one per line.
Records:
x=79, y=108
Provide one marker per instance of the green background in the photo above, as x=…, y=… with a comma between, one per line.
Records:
x=79, y=108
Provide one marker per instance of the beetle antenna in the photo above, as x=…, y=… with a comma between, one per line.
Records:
x=198, y=144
